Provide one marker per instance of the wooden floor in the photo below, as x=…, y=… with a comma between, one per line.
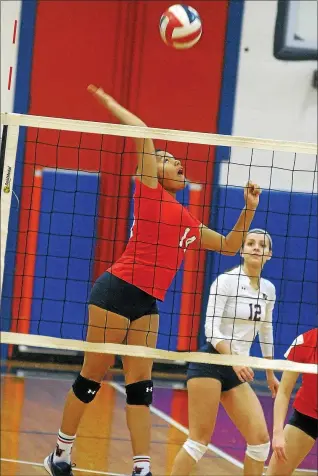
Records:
x=31, y=407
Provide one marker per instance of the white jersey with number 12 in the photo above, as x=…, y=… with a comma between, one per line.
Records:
x=237, y=312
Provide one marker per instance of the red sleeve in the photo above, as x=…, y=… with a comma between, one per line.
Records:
x=197, y=222
x=147, y=202
x=143, y=191
x=301, y=348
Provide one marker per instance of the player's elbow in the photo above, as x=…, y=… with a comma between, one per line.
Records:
x=140, y=123
x=229, y=247
x=228, y=253
x=228, y=250
x=224, y=248
x=135, y=121
x=214, y=242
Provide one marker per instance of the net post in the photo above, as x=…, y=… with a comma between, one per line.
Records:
x=9, y=145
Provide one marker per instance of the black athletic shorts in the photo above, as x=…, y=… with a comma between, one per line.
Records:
x=305, y=423
x=223, y=373
x=115, y=295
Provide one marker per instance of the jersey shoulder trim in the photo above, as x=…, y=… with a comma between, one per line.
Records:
x=298, y=341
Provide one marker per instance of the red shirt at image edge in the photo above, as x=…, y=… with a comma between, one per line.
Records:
x=304, y=349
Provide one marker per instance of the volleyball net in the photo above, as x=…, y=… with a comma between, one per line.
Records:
x=67, y=210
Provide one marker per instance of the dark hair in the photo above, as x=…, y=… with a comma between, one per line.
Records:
x=156, y=150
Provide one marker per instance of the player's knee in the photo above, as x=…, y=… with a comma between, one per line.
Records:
x=194, y=449
x=261, y=437
x=84, y=389
x=258, y=452
x=139, y=393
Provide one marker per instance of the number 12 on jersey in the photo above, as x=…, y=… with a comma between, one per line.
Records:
x=255, y=312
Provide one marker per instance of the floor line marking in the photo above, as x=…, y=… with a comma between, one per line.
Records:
x=32, y=463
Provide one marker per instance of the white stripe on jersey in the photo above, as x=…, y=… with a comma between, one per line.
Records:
x=237, y=312
x=298, y=341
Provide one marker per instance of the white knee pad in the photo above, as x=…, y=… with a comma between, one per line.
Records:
x=194, y=449
x=258, y=452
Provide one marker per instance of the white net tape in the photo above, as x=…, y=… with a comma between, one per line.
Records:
x=148, y=353
x=160, y=134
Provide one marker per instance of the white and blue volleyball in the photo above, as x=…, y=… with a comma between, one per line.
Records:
x=180, y=26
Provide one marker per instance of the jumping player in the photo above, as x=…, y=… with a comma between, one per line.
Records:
x=122, y=304
x=240, y=306
x=292, y=443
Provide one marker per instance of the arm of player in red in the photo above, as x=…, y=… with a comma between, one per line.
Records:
x=147, y=165
x=286, y=387
x=231, y=243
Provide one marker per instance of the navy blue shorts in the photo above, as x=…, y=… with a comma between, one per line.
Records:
x=305, y=423
x=223, y=373
x=115, y=295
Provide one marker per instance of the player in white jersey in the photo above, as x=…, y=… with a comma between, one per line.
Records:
x=240, y=306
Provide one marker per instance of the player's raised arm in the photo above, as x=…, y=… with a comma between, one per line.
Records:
x=147, y=165
x=231, y=243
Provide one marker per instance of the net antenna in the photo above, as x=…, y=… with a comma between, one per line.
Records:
x=9, y=145
x=257, y=165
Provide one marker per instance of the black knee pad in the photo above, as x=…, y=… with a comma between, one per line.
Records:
x=139, y=393
x=84, y=389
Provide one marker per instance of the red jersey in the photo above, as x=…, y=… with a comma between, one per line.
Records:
x=161, y=233
x=305, y=349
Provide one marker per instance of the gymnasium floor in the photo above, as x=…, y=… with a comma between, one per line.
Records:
x=31, y=404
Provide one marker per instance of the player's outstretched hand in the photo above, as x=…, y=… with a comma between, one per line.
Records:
x=252, y=192
x=100, y=95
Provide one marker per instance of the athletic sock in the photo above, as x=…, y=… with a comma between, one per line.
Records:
x=63, y=448
x=141, y=465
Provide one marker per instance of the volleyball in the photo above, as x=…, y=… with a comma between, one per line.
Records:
x=180, y=26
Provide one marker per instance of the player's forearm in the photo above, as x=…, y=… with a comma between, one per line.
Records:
x=123, y=115
x=266, y=340
x=280, y=411
x=269, y=372
x=234, y=240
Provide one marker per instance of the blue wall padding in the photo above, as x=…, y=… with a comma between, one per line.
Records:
x=65, y=253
